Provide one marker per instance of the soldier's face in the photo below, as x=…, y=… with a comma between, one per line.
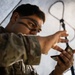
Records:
x=28, y=25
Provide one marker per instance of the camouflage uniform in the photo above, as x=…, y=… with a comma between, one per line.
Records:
x=16, y=49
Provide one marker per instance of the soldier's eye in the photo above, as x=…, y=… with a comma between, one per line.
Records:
x=32, y=25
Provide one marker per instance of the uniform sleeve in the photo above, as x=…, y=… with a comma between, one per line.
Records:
x=14, y=47
x=33, y=50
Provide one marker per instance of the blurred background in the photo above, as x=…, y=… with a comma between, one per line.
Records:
x=51, y=25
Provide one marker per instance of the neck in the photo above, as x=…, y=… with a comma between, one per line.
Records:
x=8, y=27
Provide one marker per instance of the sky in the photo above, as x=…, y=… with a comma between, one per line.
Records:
x=50, y=26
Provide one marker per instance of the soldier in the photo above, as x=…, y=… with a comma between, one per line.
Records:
x=19, y=46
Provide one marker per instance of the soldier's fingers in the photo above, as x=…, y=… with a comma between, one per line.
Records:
x=60, y=62
x=62, y=40
x=55, y=47
x=67, y=54
x=64, y=34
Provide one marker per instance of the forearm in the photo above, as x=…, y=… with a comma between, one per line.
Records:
x=46, y=43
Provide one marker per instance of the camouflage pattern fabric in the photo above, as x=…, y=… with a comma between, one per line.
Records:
x=15, y=49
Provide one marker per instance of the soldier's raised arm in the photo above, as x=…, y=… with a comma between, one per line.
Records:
x=15, y=47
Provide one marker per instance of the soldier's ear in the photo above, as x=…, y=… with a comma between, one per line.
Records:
x=15, y=16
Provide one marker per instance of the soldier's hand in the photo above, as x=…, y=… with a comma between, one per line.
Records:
x=64, y=61
x=49, y=41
